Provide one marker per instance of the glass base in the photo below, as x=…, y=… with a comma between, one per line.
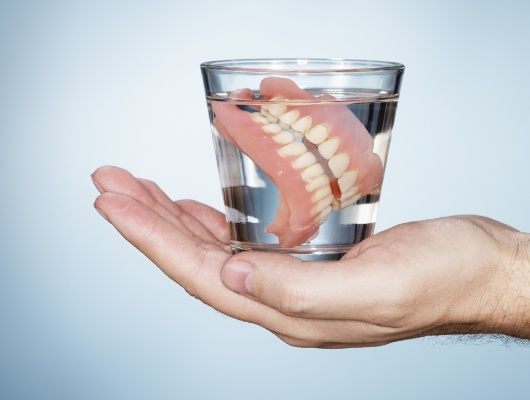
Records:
x=305, y=253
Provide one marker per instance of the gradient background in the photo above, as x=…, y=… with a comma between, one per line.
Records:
x=83, y=315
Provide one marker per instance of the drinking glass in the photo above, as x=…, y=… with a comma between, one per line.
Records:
x=301, y=148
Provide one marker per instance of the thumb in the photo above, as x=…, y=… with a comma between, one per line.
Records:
x=297, y=288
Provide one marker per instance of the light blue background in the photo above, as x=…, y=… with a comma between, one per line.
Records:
x=83, y=315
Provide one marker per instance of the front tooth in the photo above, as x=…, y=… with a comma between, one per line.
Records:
x=303, y=124
x=324, y=214
x=312, y=172
x=292, y=149
x=283, y=137
x=290, y=117
x=317, y=134
x=321, y=205
x=338, y=164
x=272, y=129
x=260, y=119
x=305, y=160
x=317, y=183
x=321, y=193
x=347, y=180
x=328, y=148
x=349, y=194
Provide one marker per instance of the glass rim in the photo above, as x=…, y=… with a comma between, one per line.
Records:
x=302, y=65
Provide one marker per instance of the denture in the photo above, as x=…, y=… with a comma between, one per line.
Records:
x=319, y=156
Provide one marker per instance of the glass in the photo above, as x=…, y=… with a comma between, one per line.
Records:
x=301, y=147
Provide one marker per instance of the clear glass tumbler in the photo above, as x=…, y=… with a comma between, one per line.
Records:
x=301, y=148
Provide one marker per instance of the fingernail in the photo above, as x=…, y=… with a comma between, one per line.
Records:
x=97, y=185
x=101, y=213
x=235, y=276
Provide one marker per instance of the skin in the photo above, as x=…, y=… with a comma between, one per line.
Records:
x=454, y=275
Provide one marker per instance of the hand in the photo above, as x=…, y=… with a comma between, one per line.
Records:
x=450, y=275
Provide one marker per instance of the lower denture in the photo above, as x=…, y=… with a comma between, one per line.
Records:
x=320, y=156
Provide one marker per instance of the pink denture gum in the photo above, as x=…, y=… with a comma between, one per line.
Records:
x=319, y=155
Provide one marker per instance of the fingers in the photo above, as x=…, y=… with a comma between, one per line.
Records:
x=334, y=290
x=209, y=217
x=173, y=251
x=198, y=228
x=118, y=180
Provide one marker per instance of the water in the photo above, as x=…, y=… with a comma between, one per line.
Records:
x=252, y=199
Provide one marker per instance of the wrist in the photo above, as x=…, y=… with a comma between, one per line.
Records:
x=512, y=315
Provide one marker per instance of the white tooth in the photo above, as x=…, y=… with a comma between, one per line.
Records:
x=258, y=118
x=349, y=194
x=283, y=137
x=317, y=183
x=303, y=124
x=305, y=160
x=290, y=117
x=273, y=129
x=277, y=109
x=346, y=203
x=317, y=134
x=321, y=205
x=283, y=126
x=338, y=164
x=271, y=118
x=350, y=201
x=347, y=180
x=324, y=214
x=292, y=149
x=321, y=193
x=328, y=148
x=312, y=172
x=298, y=134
